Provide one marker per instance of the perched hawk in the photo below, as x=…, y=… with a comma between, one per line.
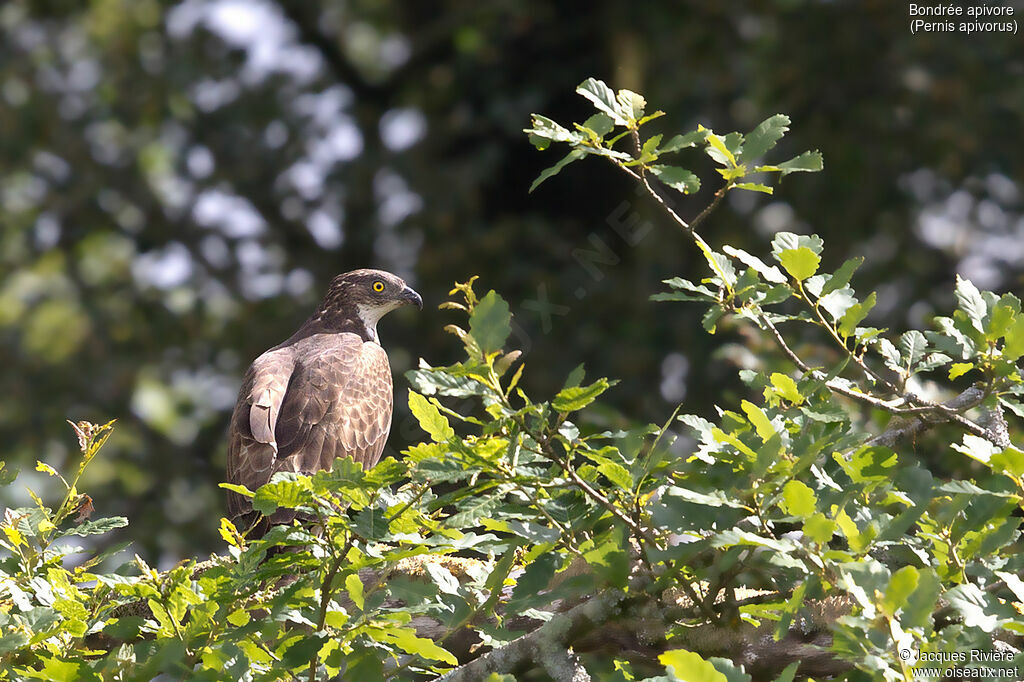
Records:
x=322, y=394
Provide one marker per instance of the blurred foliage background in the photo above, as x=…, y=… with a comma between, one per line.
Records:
x=180, y=180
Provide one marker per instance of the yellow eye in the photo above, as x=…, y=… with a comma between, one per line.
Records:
x=378, y=286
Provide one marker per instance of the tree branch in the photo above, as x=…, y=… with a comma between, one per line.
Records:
x=905, y=428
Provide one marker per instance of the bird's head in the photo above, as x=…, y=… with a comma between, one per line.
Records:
x=365, y=296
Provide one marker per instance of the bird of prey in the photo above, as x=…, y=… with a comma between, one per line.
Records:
x=324, y=393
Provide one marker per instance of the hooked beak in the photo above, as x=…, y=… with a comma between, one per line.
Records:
x=410, y=296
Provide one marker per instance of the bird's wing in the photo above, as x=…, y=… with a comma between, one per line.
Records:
x=252, y=445
x=338, y=405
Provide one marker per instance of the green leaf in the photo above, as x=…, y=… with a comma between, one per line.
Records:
x=717, y=499
x=575, y=376
x=730, y=438
x=577, y=397
x=469, y=511
x=913, y=345
x=677, y=178
x=430, y=418
x=284, y=490
x=1013, y=344
x=786, y=388
x=496, y=580
x=1010, y=462
x=958, y=369
x=762, y=138
x=718, y=150
x=972, y=604
x=97, y=527
x=798, y=499
x=710, y=319
x=869, y=463
x=783, y=241
x=800, y=263
x=364, y=664
x=754, y=187
x=536, y=577
x=616, y=473
x=690, y=667
x=858, y=542
x=771, y=273
x=808, y=162
x=971, y=302
x=58, y=670
x=841, y=277
x=759, y=419
x=606, y=556
x=733, y=671
x=819, y=528
x=601, y=124
x=406, y=639
x=12, y=641
x=977, y=448
x=240, y=489
x=901, y=586
x=1013, y=583
x=602, y=97
x=355, y=589
x=1004, y=314
x=303, y=649
x=838, y=302
x=442, y=577
x=545, y=131
x=689, y=139
x=920, y=605
x=574, y=155
x=855, y=315
x=491, y=322
x=630, y=104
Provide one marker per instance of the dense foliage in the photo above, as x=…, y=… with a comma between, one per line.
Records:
x=180, y=179
x=617, y=557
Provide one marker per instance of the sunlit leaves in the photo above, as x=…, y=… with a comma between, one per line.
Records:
x=855, y=315
x=490, y=322
x=971, y=302
x=800, y=263
x=284, y=490
x=577, y=397
x=690, y=667
x=354, y=586
x=407, y=640
x=625, y=111
x=798, y=499
x=513, y=509
x=901, y=586
x=544, y=131
x=604, y=99
x=784, y=387
x=785, y=241
x=430, y=418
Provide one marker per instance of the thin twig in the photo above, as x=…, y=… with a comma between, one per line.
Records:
x=919, y=407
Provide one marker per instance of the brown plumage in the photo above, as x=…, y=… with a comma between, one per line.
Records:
x=324, y=393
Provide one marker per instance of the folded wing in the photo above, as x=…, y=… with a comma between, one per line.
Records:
x=302, y=406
